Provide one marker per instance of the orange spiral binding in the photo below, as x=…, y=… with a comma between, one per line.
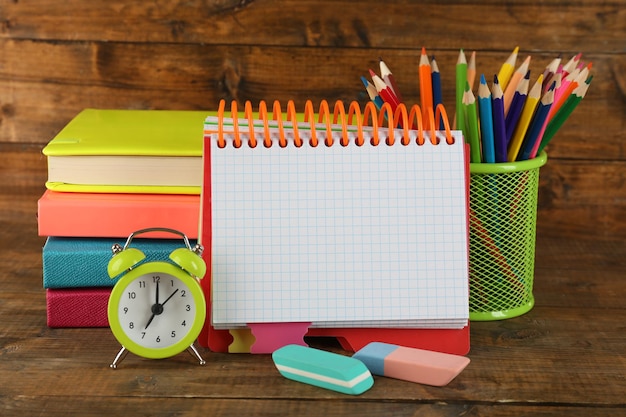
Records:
x=401, y=119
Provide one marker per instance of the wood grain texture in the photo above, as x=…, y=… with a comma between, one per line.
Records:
x=555, y=25
x=565, y=357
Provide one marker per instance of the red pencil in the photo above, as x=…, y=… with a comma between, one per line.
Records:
x=389, y=79
x=384, y=91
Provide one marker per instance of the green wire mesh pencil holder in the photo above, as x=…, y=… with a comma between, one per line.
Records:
x=503, y=219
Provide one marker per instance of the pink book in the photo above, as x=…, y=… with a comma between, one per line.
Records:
x=77, y=307
x=116, y=215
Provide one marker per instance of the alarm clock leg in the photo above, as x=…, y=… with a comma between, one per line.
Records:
x=119, y=357
x=194, y=352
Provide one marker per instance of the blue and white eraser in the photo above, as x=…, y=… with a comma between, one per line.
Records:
x=323, y=369
x=410, y=364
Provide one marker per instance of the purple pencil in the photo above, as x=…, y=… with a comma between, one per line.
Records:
x=499, y=127
x=517, y=106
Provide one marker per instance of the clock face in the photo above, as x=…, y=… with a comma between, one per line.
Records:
x=156, y=314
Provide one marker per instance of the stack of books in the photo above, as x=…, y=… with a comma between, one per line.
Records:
x=111, y=173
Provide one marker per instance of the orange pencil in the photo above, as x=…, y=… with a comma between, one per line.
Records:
x=517, y=76
x=426, y=87
x=471, y=70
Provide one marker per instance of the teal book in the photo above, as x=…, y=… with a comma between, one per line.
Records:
x=82, y=262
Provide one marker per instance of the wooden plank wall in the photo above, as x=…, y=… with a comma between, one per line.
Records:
x=59, y=57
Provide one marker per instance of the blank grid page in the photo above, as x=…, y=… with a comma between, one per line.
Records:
x=339, y=236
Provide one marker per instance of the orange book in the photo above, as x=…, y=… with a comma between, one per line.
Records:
x=116, y=215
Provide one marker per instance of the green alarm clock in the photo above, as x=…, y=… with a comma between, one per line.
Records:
x=156, y=309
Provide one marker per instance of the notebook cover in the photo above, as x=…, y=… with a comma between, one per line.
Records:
x=116, y=215
x=79, y=307
x=130, y=132
x=82, y=262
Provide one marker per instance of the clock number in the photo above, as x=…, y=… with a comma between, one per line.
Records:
x=125, y=310
x=184, y=323
x=158, y=339
x=143, y=334
x=172, y=282
x=131, y=325
x=156, y=278
x=183, y=293
x=173, y=334
x=132, y=295
x=142, y=284
x=187, y=307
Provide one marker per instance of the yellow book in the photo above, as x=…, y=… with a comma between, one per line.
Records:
x=128, y=151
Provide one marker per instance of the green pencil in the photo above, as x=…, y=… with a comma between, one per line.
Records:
x=461, y=80
x=473, y=137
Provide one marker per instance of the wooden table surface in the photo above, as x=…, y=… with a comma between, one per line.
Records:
x=565, y=357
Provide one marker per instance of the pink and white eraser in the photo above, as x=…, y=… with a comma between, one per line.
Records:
x=410, y=364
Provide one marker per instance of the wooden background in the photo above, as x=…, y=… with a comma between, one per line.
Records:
x=564, y=357
x=57, y=58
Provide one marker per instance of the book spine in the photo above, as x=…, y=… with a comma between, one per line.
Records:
x=82, y=262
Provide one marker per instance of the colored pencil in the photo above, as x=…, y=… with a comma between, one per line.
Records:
x=436, y=81
x=384, y=91
x=426, y=87
x=524, y=121
x=473, y=138
x=517, y=76
x=549, y=72
x=507, y=68
x=471, y=70
x=461, y=80
x=532, y=138
x=389, y=79
x=564, y=112
x=571, y=64
x=372, y=93
x=572, y=81
x=517, y=105
x=486, y=121
x=499, y=127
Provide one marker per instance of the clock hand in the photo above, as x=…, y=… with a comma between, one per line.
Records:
x=158, y=308
x=168, y=298
x=150, y=321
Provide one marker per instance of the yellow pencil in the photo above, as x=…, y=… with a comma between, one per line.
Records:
x=534, y=95
x=506, y=70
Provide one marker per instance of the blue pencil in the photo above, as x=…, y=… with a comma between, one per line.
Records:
x=499, y=127
x=517, y=105
x=372, y=93
x=436, y=81
x=486, y=121
x=536, y=125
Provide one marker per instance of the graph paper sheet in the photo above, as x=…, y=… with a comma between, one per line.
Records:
x=354, y=236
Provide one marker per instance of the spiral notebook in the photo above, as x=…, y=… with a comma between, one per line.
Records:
x=335, y=223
